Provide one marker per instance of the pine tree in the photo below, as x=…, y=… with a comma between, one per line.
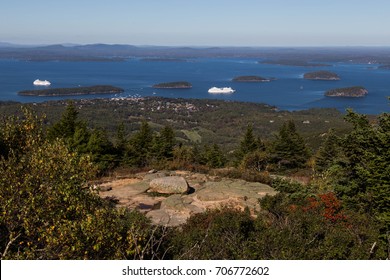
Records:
x=141, y=142
x=80, y=139
x=289, y=147
x=121, y=141
x=328, y=153
x=101, y=150
x=213, y=157
x=163, y=144
x=167, y=136
x=67, y=125
x=365, y=174
x=249, y=144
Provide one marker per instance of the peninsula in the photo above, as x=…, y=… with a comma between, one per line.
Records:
x=255, y=79
x=356, y=91
x=176, y=85
x=99, y=89
x=321, y=76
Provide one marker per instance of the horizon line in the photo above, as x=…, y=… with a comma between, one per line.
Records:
x=11, y=44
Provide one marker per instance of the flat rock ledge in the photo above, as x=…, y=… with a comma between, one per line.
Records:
x=195, y=193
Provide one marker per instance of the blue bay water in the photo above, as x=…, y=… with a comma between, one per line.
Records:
x=288, y=92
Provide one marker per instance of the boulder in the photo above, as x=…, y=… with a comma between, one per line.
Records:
x=169, y=185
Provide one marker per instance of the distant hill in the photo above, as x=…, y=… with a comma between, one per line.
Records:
x=309, y=56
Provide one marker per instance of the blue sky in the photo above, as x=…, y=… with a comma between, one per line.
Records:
x=197, y=23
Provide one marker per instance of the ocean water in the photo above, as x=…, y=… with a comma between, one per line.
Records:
x=288, y=92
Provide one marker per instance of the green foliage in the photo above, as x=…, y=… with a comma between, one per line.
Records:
x=49, y=212
x=256, y=161
x=83, y=140
x=121, y=139
x=140, y=146
x=213, y=235
x=68, y=124
x=47, y=209
x=289, y=148
x=249, y=144
x=163, y=144
x=313, y=229
x=213, y=157
x=364, y=179
x=213, y=121
x=328, y=153
x=287, y=186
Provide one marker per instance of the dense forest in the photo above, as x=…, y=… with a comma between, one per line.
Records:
x=49, y=210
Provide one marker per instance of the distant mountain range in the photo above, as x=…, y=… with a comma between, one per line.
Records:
x=118, y=52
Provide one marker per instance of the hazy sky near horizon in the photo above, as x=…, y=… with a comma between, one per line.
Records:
x=197, y=23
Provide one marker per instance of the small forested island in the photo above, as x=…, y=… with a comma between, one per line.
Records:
x=99, y=89
x=178, y=85
x=292, y=62
x=255, y=79
x=321, y=75
x=356, y=91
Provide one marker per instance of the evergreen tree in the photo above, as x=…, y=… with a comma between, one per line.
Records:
x=67, y=125
x=213, y=157
x=101, y=150
x=80, y=139
x=365, y=174
x=289, y=148
x=141, y=142
x=328, y=153
x=163, y=144
x=121, y=141
x=184, y=155
x=167, y=137
x=249, y=144
x=121, y=145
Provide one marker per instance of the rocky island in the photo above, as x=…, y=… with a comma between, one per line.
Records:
x=256, y=79
x=170, y=85
x=356, y=91
x=294, y=62
x=100, y=89
x=321, y=76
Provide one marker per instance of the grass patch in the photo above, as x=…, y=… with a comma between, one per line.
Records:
x=192, y=135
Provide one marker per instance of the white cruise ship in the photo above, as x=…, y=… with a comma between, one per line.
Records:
x=224, y=90
x=38, y=82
